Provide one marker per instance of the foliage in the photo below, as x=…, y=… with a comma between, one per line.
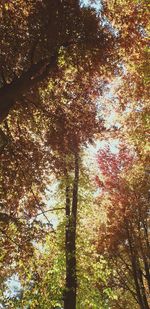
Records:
x=124, y=239
x=57, y=59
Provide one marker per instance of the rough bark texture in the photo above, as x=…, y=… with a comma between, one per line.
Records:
x=71, y=223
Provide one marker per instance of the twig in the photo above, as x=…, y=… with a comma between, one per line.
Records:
x=13, y=241
x=50, y=210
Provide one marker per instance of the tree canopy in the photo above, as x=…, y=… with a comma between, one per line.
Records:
x=72, y=75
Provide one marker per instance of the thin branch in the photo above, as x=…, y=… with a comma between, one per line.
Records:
x=60, y=208
x=13, y=241
x=43, y=213
x=123, y=281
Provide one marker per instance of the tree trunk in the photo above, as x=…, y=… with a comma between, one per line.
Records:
x=140, y=290
x=71, y=222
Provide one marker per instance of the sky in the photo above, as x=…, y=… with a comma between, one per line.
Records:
x=96, y=4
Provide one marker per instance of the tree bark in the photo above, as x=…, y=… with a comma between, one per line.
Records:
x=71, y=223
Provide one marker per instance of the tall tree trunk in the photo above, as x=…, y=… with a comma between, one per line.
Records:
x=71, y=223
x=141, y=296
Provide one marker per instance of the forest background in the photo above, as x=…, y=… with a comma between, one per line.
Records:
x=74, y=151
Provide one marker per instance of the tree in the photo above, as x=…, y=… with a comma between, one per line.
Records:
x=125, y=237
x=126, y=193
x=65, y=139
x=61, y=50
x=30, y=63
x=41, y=31
x=47, y=99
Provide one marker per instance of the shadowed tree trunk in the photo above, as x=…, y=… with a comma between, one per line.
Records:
x=137, y=275
x=71, y=223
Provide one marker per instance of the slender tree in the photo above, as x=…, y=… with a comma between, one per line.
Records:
x=125, y=238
